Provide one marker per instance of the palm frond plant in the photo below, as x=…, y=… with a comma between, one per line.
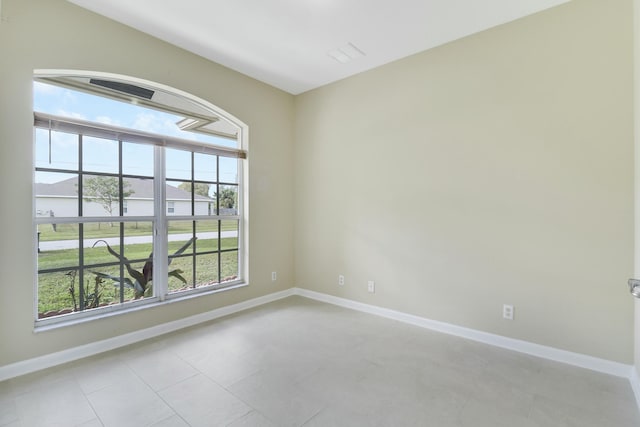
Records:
x=91, y=299
x=141, y=279
x=72, y=287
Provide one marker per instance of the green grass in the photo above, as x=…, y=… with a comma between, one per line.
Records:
x=54, y=288
x=103, y=229
x=99, y=254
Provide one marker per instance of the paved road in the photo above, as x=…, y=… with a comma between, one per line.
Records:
x=113, y=241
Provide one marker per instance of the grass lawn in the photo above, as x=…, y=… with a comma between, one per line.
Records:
x=54, y=289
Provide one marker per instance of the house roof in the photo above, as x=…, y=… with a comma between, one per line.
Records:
x=141, y=188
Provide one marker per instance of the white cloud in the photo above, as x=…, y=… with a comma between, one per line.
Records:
x=146, y=122
x=150, y=122
x=69, y=96
x=46, y=89
x=64, y=140
x=71, y=114
x=107, y=121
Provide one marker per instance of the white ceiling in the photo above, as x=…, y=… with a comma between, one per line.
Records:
x=286, y=43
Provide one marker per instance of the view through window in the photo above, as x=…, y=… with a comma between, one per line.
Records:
x=135, y=200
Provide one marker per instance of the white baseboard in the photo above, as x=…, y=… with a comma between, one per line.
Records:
x=37, y=363
x=568, y=357
x=576, y=359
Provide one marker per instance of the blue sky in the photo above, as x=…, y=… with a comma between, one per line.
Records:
x=101, y=155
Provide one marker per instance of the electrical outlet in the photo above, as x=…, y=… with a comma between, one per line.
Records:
x=341, y=280
x=274, y=276
x=371, y=286
x=507, y=311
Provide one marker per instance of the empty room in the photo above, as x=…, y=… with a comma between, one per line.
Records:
x=320, y=213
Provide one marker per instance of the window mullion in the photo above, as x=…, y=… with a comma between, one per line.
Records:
x=80, y=226
x=160, y=243
x=194, y=257
x=219, y=255
x=242, y=246
x=121, y=224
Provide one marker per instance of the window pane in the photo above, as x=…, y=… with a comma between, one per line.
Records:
x=142, y=286
x=100, y=195
x=203, y=205
x=180, y=244
x=178, y=164
x=137, y=159
x=181, y=247
x=178, y=198
x=204, y=167
x=59, y=152
x=57, y=293
x=206, y=270
x=228, y=170
x=180, y=230
x=229, y=269
x=138, y=242
x=181, y=274
x=229, y=234
x=97, y=292
x=207, y=232
x=57, y=249
x=108, y=290
x=228, y=200
x=139, y=196
x=56, y=195
x=99, y=155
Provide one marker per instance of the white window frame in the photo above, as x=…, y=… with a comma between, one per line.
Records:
x=160, y=282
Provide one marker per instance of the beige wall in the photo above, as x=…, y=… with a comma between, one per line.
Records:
x=494, y=170
x=56, y=34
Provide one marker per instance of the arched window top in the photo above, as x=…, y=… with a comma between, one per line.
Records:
x=136, y=104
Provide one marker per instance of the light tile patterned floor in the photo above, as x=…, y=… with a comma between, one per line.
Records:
x=298, y=362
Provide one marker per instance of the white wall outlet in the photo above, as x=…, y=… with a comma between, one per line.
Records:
x=507, y=311
x=341, y=280
x=274, y=276
x=371, y=286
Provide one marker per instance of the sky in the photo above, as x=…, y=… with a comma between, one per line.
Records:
x=60, y=150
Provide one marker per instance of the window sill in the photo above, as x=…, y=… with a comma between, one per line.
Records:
x=43, y=325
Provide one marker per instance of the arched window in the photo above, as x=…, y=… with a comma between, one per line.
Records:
x=138, y=194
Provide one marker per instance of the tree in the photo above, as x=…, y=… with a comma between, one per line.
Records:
x=200, y=188
x=105, y=190
x=228, y=196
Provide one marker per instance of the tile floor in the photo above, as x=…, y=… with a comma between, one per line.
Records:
x=298, y=362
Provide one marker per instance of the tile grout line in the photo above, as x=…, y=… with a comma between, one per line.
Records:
x=544, y=352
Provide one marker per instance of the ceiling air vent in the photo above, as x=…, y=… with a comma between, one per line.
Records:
x=138, y=91
x=346, y=53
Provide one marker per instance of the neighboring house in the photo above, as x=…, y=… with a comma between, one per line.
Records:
x=60, y=199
